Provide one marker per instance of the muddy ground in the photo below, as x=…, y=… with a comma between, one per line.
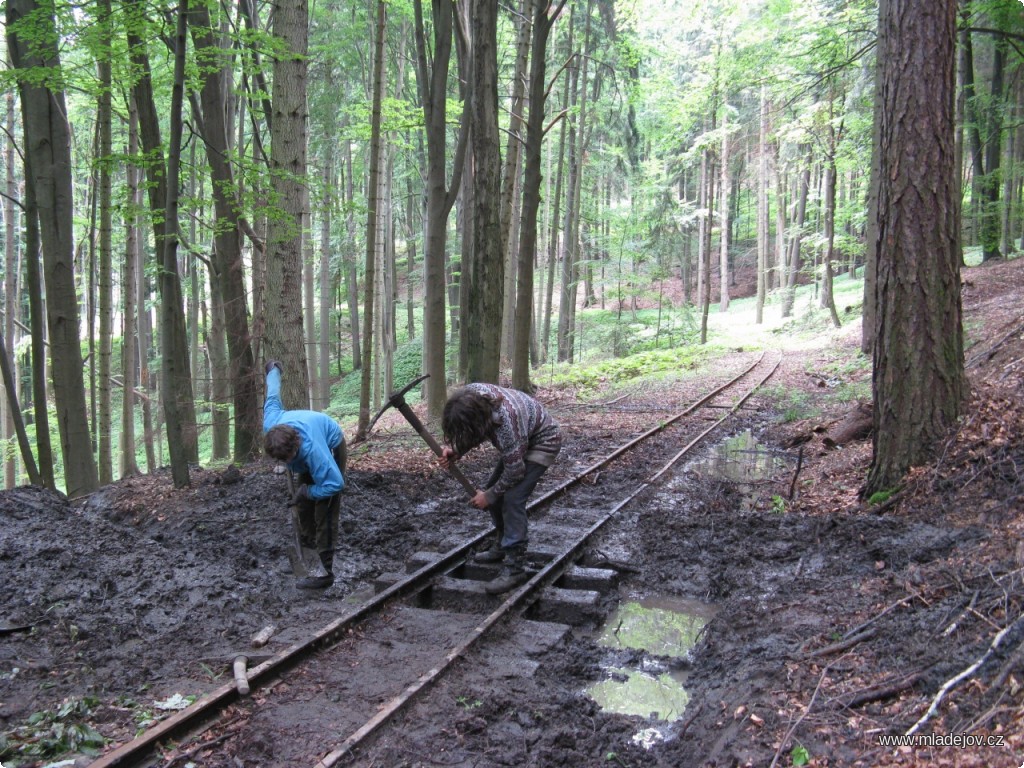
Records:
x=835, y=621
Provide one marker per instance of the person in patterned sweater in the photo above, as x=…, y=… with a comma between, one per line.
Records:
x=528, y=441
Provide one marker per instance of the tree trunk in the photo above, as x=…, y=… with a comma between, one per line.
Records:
x=432, y=76
x=544, y=15
x=779, y=270
x=284, y=322
x=179, y=407
x=510, y=177
x=486, y=270
x=827, y=297
x=707, y=180
x=554, y=243
x=7, y=377
x=130, y=294
x=227, y=277
x=762, y=209
x=104, y=424
x=323, y=399
x=220, y=379
x=308, y=298
x=373, y=203
x=918, y=378
x=349, y=258
x=48, y=144
x=37, y=311
x=723, y=257
x=794, y=262
x=11, y=283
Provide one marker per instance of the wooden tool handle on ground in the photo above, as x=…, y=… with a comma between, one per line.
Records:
x=241, y=680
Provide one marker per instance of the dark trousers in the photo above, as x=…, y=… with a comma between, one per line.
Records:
x=508, y=513
x=318, y=519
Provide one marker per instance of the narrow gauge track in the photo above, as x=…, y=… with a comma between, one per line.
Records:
x=447, y=584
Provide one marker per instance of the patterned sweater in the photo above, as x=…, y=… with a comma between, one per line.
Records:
x=524, y=431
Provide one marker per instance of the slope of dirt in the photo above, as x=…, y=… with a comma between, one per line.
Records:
x=835, y=623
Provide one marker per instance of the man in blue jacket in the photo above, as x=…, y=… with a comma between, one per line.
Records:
x=312, y=446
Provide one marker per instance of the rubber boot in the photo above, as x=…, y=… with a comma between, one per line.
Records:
x=512, y=574
x=493, y=554
x=320, y=582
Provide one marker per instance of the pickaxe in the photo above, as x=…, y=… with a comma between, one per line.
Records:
x=397, y=401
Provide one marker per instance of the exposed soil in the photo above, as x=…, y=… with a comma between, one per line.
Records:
x=836, y=621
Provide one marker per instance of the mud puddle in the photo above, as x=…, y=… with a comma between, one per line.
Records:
x=651, y=683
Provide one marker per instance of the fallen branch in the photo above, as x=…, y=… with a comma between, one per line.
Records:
x=880, y=692
x=842, y=645
x=954, y=681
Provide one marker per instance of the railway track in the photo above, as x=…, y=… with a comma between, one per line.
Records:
x=434, y=615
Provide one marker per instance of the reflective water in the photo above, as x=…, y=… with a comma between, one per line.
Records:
x=666, y=628
x=739, y=459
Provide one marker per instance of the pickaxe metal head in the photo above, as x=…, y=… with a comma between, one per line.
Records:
x=396, y=399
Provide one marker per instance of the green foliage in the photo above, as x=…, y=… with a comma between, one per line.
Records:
x=778, y=504
x=799, y=755
x=624, y=369
x=407, y=364
x=880, y=497
x=50, y=733
x=792, y=404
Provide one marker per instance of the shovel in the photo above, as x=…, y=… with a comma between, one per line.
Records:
x=305, y=561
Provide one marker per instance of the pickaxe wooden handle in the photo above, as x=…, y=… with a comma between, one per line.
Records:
x=397, y=401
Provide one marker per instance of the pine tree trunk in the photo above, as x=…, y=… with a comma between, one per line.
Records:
x=918, y=377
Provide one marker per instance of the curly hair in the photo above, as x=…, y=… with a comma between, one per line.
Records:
x=467, y=420
x=281, y=442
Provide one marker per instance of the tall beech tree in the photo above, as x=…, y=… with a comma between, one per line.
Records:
x=544, y=15
x=33, y=43
x=227, y=277
x=288, y=133
x=432, y=78
x=485, y=269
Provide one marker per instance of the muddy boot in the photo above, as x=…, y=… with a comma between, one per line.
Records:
x=512, y=574
x=493, y=554
x=320, y=582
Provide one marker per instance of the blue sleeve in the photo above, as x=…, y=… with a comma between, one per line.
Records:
x=272, y=408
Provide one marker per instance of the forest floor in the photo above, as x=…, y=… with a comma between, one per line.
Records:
x=832, y=622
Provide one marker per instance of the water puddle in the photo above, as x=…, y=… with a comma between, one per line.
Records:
x=739, y=459
x=665, y=629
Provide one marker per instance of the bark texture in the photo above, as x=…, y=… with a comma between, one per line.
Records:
x=918, y=381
